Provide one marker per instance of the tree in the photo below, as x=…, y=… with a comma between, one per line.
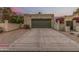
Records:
x=7, y=13
x=1, y=14
x=16, y=19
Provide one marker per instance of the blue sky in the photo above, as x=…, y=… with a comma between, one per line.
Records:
x=58, y=11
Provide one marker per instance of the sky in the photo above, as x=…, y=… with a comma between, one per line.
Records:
x=57, y=11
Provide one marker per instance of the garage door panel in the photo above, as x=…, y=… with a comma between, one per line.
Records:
x=41, y=23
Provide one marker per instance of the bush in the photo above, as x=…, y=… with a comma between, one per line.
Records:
x=16, y=19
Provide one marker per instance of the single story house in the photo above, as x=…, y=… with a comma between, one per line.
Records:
x=39, y=20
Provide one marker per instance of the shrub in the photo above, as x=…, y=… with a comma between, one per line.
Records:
x=16, y=19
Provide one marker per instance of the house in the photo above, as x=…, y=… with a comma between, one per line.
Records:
x=72, y=21
x=39, y=20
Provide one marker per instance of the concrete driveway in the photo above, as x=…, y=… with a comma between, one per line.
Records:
x=43, y=40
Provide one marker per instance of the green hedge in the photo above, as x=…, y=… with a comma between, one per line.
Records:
x=16, y=19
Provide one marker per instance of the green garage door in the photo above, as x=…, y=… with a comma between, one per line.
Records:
x=41, y=23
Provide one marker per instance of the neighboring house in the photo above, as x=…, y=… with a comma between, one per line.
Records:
x=71, y=22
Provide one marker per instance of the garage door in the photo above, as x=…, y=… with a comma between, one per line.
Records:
x=41, y=23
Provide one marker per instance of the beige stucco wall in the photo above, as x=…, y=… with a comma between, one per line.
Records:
x=2, y=25
x=9, y=26
x=61, y=27
x=12, y=26
x=29, y=17
x=58, y=26
x=27, y=20
x=77, y=27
